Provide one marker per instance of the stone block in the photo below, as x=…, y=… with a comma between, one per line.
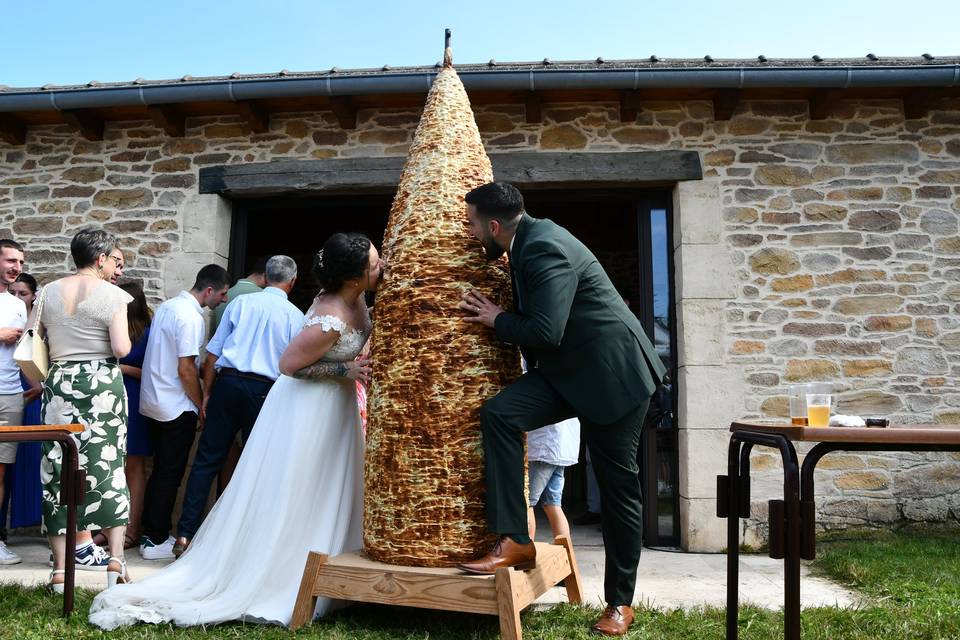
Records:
x=702, y=457
x=872, y=153
x=697, y=212
x=700, y=332
x=704, y=271
x=806, y=370
x=206, y=225
x=711, y=397
x=774, y=261
x=700, y=529
x=179, y=270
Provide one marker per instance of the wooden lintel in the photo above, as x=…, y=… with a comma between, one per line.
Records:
x=256, y=117
x=917, y=102
x=88, y=124
x=533, y=107
x=345, y=111
x=629, y=106
x=170, y=119
x=12, y=129
x=822, y=103
x=725, y=102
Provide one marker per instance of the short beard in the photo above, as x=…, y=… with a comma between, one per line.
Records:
x=492, y=251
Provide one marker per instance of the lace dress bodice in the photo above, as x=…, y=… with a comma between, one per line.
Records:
x=350, y=343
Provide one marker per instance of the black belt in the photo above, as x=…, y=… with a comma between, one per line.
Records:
x=228, y=371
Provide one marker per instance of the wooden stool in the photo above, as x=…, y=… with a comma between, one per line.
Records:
x=354, y=577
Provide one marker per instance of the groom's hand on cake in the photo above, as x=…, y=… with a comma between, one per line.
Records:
x=485, y=312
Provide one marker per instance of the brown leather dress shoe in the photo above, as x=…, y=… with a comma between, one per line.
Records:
x=180, y=546
x=614, y=621
x=506, y=553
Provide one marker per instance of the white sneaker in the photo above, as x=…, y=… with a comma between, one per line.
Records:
x=7, y=556
x=152, y=551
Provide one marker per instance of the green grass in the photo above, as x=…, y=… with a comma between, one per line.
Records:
x=911, y=582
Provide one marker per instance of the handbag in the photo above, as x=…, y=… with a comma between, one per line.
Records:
x=31, y=353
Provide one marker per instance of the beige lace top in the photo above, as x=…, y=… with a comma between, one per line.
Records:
x=85, y=333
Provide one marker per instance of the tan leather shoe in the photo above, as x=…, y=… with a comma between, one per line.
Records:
x=180, y=546
x=614, y=621
x=506, y=553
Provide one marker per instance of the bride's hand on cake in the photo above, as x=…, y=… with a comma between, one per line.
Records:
x=359, y=369
x=485, y=312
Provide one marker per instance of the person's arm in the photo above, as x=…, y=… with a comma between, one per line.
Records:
x=10, y=335
x=302, y=355
x=190, y=379
x=119, y=333
x=130, y=370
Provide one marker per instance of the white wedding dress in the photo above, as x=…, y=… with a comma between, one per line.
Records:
x=297, y=488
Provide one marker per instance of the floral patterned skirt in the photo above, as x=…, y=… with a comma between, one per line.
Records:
x=90, y=393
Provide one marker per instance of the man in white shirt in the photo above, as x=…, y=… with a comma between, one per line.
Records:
x=242, y=363
x=171, y=400
x=13, y=319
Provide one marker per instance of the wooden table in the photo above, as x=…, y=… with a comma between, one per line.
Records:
x=72, y=485
x=793, y=519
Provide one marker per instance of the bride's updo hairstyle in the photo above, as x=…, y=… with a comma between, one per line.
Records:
x=344, y=256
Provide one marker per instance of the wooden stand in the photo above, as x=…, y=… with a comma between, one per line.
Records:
x=354, y=577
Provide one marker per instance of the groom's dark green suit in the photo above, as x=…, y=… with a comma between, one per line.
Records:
x=588, y=357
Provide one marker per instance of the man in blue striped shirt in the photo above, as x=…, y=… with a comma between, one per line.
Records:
x=242, y=363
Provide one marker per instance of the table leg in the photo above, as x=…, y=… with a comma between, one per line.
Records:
x=791, y=559
x=733, y=538
x=68, y=494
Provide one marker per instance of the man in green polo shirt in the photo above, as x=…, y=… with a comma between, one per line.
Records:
x=254, y=282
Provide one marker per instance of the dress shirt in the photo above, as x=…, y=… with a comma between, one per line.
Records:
x=254, y=331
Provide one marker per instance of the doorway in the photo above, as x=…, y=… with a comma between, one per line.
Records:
x=629, y=231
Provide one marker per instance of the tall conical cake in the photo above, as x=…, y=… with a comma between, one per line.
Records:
x=424, y=475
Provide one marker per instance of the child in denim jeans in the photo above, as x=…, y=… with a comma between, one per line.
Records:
x=549, y=450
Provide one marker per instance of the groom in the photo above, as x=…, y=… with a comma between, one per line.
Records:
x=589, y=357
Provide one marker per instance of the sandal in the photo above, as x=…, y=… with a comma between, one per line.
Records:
x=130, y=541
x=55, y=587
x=117, y=577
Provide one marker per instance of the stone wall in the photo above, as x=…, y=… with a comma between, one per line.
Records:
x=838, y=239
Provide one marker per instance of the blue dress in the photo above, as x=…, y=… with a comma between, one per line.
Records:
x=23, y=479
x=138, y=436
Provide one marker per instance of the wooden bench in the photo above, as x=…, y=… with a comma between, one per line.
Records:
x=72, y=484
x=354, y=577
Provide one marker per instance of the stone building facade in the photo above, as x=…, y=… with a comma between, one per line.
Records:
x=812, y=249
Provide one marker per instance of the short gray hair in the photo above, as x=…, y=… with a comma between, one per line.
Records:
x=280, y=269
x=89, y=243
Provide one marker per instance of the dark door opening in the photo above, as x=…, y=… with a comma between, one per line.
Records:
x=628, y=230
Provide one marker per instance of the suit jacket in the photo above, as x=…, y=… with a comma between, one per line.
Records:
x=571, y=324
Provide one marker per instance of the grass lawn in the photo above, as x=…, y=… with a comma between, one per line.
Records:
x=912, y=581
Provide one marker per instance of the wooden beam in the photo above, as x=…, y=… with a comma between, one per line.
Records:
x=630, y=106
x=12, y=129
x=822, y=103
x=345, y=111
x=533, y=107
x=87, y=123
x=254, y=115
x=917, y=102
x=170, y=119
x=725, y=102
x=528, y=169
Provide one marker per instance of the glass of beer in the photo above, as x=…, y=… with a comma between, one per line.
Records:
x=819, y=396
x=798, y=404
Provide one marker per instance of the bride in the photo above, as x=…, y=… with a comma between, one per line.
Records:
x=299, y=484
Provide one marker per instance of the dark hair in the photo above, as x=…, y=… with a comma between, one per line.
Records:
x=344, y=256
x=500, y=200
x=212, y=275
x=139, y=314
x=259, y=266
x=28, y=280
x=7, y=243
x=89, y=243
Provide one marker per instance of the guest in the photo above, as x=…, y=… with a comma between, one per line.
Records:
x=85, y=320
x=138, y=436
x=242, y=363
x=171, y=401
x=254, y=282
x=13, y=319
x=590, y=359
x=550, y=450
x=24, y=491
x=117, y=256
